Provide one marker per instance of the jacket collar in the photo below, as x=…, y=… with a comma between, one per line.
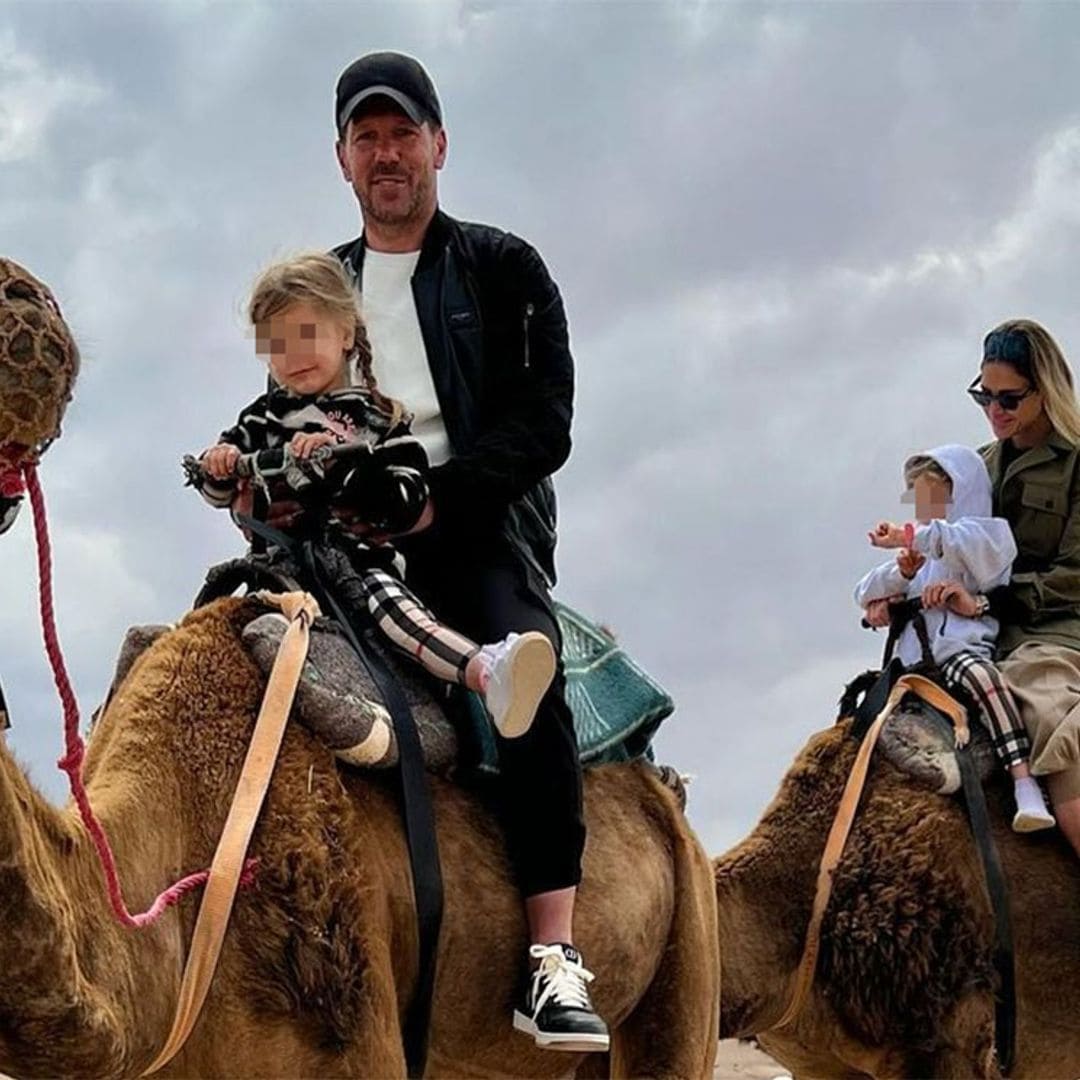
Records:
x=435, y=240
x=1054, y=445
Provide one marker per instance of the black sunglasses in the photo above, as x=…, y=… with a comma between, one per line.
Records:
x=1009, y=400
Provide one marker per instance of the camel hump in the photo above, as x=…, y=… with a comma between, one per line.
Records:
x=918, y=744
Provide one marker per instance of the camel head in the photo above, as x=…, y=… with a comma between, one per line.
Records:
x=39, y=362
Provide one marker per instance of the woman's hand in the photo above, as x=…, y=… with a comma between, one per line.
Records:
x=220, y=461
x=305, y=443
x=951, y=595
x=887, y=534
x=908, y=562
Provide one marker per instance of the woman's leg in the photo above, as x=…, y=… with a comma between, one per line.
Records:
x=1063, y=794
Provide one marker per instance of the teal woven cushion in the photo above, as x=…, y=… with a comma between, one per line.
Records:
x=617, y=706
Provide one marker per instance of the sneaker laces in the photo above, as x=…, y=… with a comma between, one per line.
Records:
x=490, y=655
x=565, y=981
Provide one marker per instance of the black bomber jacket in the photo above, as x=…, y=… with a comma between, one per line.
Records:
x=495, y=333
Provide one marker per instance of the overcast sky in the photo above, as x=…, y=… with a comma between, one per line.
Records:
x=780, y=232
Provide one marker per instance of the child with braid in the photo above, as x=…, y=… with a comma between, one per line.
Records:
x=308, y=327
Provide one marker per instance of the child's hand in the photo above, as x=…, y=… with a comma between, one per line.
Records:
x=304, y=443
x=886, y=534
x=908, y=562
x=220, y=461
x=876, y=613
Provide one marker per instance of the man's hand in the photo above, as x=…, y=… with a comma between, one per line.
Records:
x=220, y=461
x=951, y=595
x=353, y=524
x=876, y=612
x=887, y=534
x=908, y=562
x=304, y=443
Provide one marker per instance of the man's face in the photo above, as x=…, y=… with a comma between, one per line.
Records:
x=391, y=164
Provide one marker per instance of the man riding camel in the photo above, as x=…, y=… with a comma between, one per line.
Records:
x=468, y=329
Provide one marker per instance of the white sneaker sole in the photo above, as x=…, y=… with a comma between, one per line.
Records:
x=575, y=1042
x=532, y=667
x=1026, y=822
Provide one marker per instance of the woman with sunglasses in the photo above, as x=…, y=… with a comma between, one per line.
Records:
x=1025, y=387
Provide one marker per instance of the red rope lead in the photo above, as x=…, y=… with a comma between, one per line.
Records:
x=71, y=762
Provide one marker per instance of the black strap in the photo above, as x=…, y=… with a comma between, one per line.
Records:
x=996, y=887
x=998, y=891
x=874, y=700
x=5, y=719
x=907, y=611
x=415, y=793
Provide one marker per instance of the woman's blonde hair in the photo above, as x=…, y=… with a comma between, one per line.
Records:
x=320, y=280
x=1048, y=371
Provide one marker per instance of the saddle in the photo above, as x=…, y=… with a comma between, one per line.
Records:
x=617, y=707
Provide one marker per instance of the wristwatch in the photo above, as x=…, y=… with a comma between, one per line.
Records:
x=982, y=605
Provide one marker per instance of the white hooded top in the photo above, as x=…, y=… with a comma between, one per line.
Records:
x=969, y=546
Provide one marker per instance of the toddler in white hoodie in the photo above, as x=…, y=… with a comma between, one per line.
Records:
x=955, y=554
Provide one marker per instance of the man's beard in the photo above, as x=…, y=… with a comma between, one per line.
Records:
x=412, y=212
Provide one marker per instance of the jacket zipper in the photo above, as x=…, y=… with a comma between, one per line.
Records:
x=529, y=309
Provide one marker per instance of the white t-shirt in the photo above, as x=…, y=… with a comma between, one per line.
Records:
x=399, y=358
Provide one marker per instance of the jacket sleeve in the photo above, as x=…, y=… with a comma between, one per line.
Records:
x=983, y=549
x=525, y=433
x=247, y=434
x=883, y=581
x=1054, y=590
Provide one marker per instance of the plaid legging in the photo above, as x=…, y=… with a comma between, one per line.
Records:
x=412, y=628
x=999, y=713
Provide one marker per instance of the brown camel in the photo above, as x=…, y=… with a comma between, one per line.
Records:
x=320, y=957
x=904, y=981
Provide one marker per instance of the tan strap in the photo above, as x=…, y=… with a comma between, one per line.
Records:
x=845, y=817
x=221, y=886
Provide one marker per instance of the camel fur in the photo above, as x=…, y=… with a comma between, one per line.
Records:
x=904, y=984
x=320, y=958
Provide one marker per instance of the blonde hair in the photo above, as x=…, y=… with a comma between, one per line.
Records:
x=320, y=280
x=924, y=465
x=1049, y=373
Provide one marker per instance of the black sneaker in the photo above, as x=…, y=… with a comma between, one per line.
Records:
x=558, y=1013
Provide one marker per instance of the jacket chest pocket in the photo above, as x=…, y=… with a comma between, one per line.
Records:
x=1045, y=507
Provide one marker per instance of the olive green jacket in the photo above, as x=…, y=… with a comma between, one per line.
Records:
x=1039, y=496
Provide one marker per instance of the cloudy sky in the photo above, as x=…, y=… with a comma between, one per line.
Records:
x=780, y=230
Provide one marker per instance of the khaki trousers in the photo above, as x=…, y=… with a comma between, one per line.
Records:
x=1045, y=680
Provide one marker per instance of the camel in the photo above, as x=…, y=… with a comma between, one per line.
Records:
x=321, y=955
x=904, y=982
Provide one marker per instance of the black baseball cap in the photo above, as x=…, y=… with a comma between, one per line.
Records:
x=394, y=75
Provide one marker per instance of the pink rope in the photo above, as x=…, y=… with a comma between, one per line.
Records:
x=72, y=761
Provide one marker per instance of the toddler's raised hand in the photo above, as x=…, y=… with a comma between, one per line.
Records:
x=305, y=443
x=886, y=534
x=908, y=562
x=220, y=461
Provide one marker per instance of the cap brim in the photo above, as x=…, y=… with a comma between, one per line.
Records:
x=407, y=105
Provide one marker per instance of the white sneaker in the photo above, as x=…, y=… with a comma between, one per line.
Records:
x=1032, y=813
x=517, y=674
x=1033, y=820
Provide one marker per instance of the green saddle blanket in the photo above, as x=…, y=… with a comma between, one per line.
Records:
x=617, y=707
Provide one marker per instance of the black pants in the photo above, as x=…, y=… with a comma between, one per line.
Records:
x=485, y=593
